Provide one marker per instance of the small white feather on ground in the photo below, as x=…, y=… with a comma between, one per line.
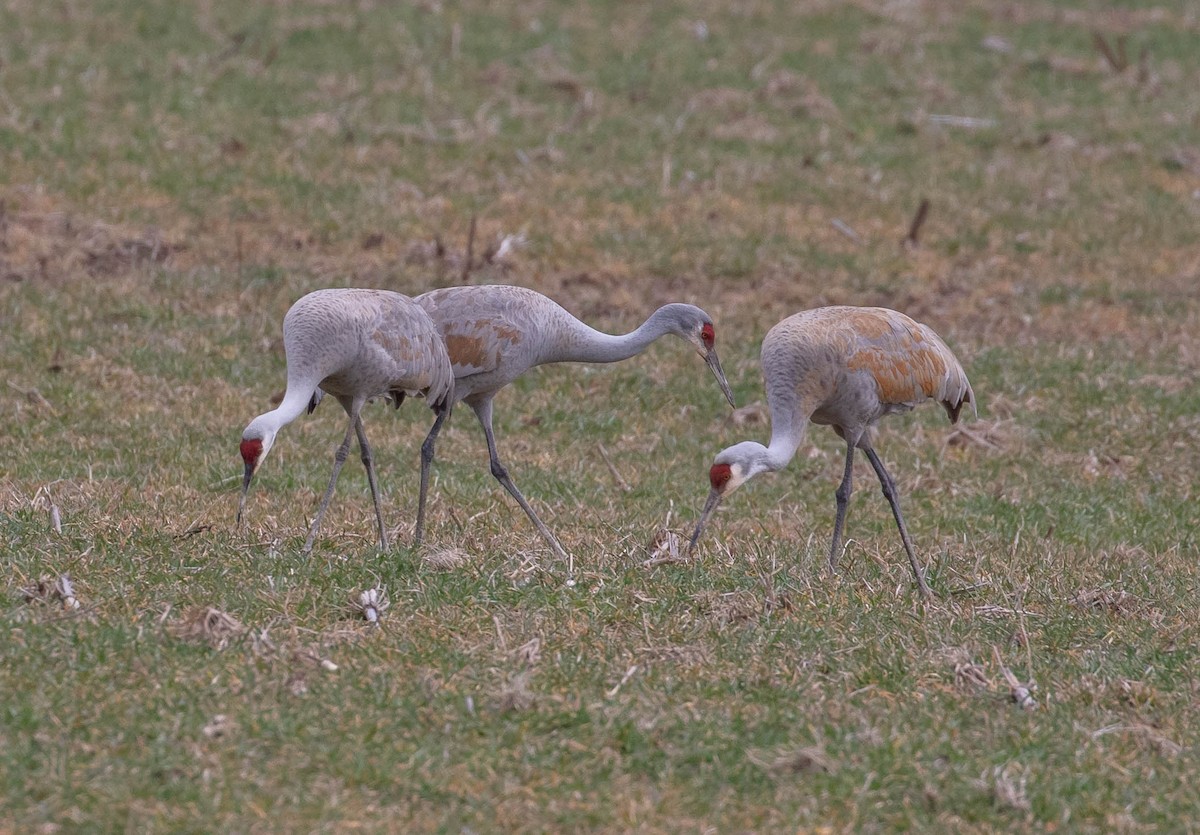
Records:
x=370, y=603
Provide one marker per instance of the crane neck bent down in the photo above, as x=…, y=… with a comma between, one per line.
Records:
x=748, y=459
x=787, y=432
x=295, y=402
x=782, y=450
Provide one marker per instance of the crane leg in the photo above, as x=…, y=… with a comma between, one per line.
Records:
x=889, y=492
x=483, y=410
x=369, y=462
x=427, y=449
x=843, y=501
x=339, y=458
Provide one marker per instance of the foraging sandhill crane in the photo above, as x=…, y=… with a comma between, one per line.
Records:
x=845, y=367
x=355, y=345
x=495, y=333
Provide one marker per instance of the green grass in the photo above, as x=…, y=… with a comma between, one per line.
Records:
x=173, y=176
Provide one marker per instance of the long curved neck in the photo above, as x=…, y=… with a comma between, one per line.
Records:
x=787, y=432
x=295, y=401
x=586, y=344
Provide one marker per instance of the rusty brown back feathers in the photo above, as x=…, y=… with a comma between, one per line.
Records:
x=844, y=353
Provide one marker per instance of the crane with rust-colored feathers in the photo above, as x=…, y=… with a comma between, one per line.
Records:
x=495, y=333
x=355, y=345
x=844, y=367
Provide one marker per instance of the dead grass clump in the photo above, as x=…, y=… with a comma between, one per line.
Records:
x=1166, y=383
x=754, y=129
x=1117, y=694
x=445, y=559
x=1137, y=694
x=994, y=435
x=530, y=652
x=728, y=608
x=967, y=673
x=1144, y=733
x=1114, y=601
x=686, y=655
x=515, y=695
x=1103, y=465
x=726, y=102
x=107, y=253
x=788, y=91
x=664, y=546
x=792, y=761
x=313, y=657
x=35, y=399
x=44, y=244
x=1124, y=553
x=456, y=262
x=205, y=624
x=52, y=590
x=1007, y=784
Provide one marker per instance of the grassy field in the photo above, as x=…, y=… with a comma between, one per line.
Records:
x=174, y=175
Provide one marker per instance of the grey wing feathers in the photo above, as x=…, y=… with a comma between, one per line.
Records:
x=494, y=329
x=410, y=336
x=440, y=393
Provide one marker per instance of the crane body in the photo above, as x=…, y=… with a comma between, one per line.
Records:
x=356, y=345
x=495, y=333
x=844, y=367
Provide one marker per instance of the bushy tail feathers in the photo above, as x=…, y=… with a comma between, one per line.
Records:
x=958, y=393
x=955, y=390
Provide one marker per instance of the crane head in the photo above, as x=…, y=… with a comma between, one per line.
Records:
x=692, y=324
x=732, y=468
x=256, y=443
x=707, y=338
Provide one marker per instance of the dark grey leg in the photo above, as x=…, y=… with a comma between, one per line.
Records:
x=483, y=410
x=426, y=464
x=339, y=458
x=369, y=462
x=889, y=492
x=843, y=500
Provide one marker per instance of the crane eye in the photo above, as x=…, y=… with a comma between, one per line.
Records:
x=719, y=475
x=707, y=335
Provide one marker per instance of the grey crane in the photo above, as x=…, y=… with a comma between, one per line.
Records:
x=356, y=345
x=495, y=333
x=844, y=367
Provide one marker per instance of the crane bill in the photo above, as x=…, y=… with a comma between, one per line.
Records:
x=245, y=489
x=711, y=360
x=714, y=499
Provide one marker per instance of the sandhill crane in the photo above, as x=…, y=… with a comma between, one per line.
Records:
x=355, y=345
x=495, y=333
x=845, y=367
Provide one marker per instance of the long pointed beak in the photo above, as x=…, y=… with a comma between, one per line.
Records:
x=245, y=488
x=710, y=359
x=714, y=499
